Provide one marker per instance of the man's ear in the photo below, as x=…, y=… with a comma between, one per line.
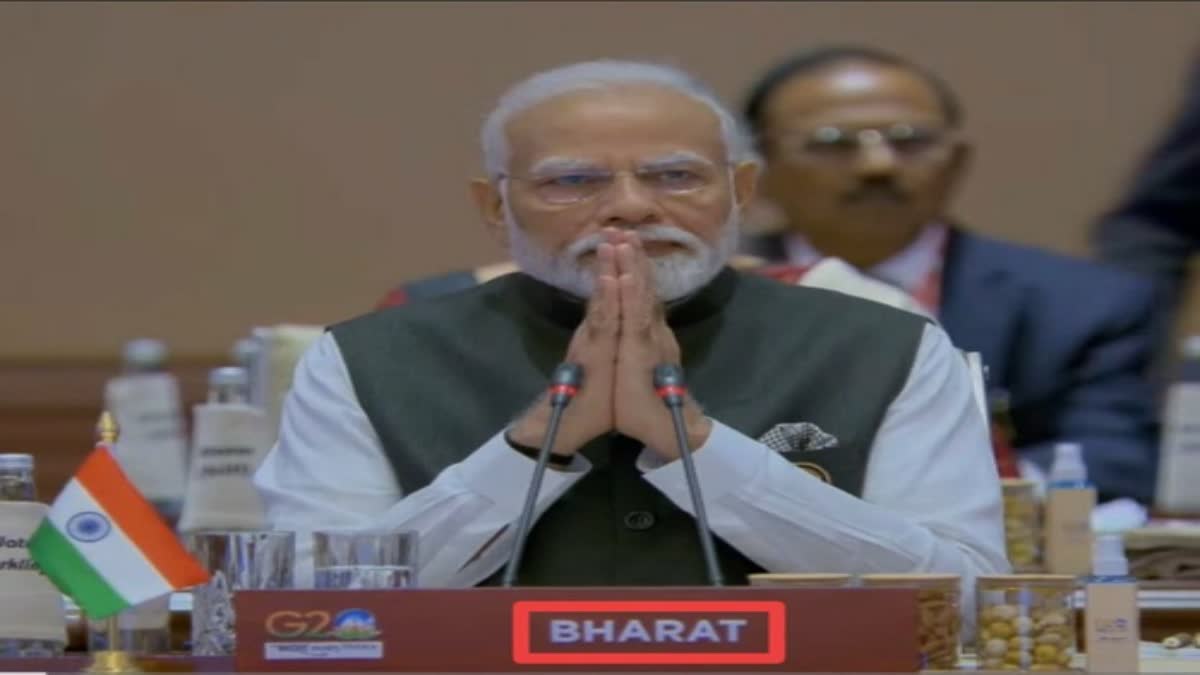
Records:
x=745, y=183
x=490, y=202
x=958, y=165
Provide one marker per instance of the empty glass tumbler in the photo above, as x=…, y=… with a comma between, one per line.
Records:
x=244, y=560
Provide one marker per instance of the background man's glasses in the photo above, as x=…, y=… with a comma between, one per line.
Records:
x=833, y=144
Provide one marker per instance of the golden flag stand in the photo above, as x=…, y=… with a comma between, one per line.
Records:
x=114, y=659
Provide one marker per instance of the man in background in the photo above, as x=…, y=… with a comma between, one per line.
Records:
x=1155, y=229
x=864, y=152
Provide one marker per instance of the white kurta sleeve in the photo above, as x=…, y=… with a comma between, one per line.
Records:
x=328, y=471
x=930, y=502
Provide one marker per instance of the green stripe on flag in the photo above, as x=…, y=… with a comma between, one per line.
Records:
x=72, y=573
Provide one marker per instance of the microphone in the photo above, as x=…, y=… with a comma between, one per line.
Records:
x=669, y=385
x=564, y=384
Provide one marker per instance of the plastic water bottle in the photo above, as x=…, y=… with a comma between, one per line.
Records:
x=1070, y=499
x=1111, y=617
x=17, y=485
x=1179, y=455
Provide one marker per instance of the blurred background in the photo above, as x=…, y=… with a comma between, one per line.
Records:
x=186, y=171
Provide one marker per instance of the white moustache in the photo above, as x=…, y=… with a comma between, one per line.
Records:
x=646, y=233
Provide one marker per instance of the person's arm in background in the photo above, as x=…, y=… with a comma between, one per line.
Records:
x=1103, y=399
x=1155, y=229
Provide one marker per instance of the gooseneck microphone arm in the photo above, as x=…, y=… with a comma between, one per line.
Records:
x=669, y=385
x=567, y=379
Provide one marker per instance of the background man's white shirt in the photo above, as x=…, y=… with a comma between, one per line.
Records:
x=907, y=270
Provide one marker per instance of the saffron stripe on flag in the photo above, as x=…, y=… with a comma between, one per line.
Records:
x=70, y=572
x=104, y=480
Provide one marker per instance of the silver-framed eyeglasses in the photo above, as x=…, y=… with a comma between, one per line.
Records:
x=575, y=185
x=909, y=142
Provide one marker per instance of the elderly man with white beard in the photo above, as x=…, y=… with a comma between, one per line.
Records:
x=829, y=433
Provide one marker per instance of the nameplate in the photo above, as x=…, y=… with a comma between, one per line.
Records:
x=578, y=630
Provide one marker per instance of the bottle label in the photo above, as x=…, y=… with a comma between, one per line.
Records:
x=1112, y=626
x=31, y=608
x=1179, y=463
x=1069, y=531
x=151, y=446
x=230, y=441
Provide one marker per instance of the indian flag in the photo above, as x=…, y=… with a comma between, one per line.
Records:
x=103, y=544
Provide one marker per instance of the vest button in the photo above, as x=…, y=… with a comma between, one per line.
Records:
x=639, y=520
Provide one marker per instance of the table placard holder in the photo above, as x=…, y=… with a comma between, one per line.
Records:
x=542, y=629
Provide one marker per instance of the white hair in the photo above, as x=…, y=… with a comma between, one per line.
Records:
x=603, y=74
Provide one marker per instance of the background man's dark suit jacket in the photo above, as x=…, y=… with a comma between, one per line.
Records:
x=1156, y=227
x=1068, y=339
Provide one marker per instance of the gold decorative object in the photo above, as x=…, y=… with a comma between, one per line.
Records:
x=106, y=428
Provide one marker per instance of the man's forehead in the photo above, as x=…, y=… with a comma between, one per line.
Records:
x=646, y=120
x=854, y=90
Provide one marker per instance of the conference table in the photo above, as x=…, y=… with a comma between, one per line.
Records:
x=1167, y=608
x=1165, y=611
x=197, y=664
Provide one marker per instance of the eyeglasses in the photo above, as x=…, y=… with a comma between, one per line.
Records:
x=579, y=185
x=910, y=143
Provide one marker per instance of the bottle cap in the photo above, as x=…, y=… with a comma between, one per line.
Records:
x=1068, y=466
x=144, y=354
x=1108, y=556
x=228, y=377
x=13, y=461
x=246, y=351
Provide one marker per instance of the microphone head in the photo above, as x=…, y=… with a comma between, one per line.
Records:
x=569, y=374
x=668, y=375
x=565, y=383
x=668, y=383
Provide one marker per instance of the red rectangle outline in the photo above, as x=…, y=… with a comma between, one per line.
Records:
x=776, y=632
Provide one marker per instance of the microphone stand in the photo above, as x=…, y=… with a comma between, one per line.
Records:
x=567, y=379
x=668, y=383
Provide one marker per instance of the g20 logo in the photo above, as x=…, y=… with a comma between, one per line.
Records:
x=289, y=624
x=348, y=624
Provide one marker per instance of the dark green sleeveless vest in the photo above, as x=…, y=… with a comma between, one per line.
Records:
x=438, y=378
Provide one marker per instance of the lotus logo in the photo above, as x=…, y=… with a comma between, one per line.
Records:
x=354, y=624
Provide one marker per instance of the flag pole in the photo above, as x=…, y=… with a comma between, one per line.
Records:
x=113, y=659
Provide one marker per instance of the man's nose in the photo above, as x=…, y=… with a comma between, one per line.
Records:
x=876, y=157
x=628, y=203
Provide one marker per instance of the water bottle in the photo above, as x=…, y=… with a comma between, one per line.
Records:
x=229, y=440
x=18, y=576
x=152, y=448
x=1070, y=500
x=1179, y=455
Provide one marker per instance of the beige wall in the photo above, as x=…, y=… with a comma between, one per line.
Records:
x=190, y=170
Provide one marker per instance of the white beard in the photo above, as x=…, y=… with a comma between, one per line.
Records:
x=675, y=275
